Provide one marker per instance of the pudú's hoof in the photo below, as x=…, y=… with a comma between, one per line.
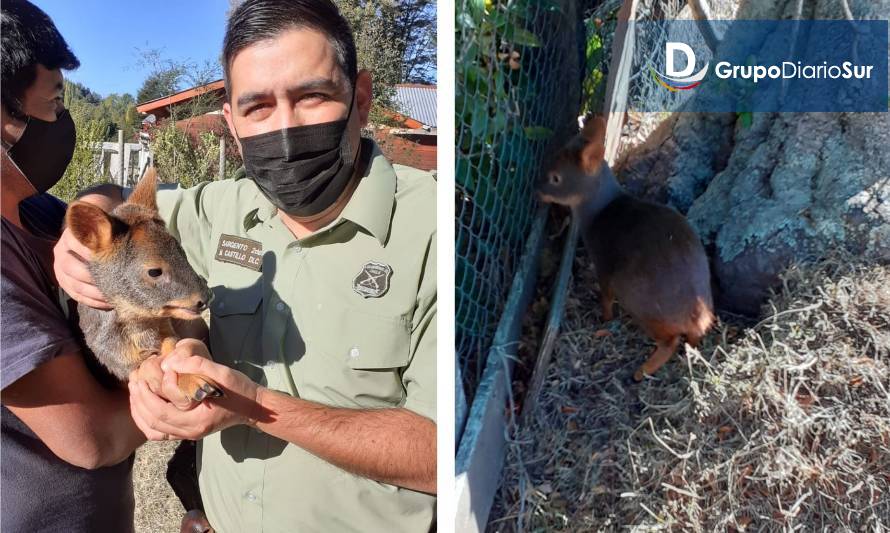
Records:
x=206, y=391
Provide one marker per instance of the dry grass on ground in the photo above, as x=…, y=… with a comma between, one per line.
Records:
x=778, y=426
x=157, y=508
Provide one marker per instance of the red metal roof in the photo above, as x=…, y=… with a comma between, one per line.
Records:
x=158, y=106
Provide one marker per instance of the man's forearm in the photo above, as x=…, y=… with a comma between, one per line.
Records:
x=394, y=446
x=121, y=434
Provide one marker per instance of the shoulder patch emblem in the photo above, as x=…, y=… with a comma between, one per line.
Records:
x=373, y=280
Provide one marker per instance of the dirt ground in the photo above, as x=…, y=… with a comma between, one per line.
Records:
x=157, y=508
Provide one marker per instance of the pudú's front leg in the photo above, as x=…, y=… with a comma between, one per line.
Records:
x=195, y=387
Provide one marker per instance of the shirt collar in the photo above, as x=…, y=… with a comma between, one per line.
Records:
x=370, y=206
x=372, y=202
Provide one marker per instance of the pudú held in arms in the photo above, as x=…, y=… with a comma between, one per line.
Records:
x=143, y=272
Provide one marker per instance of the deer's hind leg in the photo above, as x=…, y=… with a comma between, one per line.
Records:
x=664, y=349
x=607, y=299
x=193, y=386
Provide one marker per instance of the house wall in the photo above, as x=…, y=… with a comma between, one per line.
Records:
x=413, y=151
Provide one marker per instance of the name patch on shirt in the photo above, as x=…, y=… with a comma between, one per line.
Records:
x=240, y=251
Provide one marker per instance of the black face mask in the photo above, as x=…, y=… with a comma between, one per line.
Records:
x=302, y=170
x=44, y=150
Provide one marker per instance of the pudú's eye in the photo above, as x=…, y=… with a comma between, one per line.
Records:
x=155, y=272
x=555, y=179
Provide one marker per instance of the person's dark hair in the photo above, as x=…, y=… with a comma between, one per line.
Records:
x=29, y=38
x=259, y=20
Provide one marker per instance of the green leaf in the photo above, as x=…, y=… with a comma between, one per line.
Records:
x=499, y=122
x=499, y=19
x=524, y=37
x=480, y=121
x=477, y=8
x=464, y=20
x=538, y=133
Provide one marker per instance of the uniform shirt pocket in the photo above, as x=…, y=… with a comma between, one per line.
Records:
x=365, y=357
x=235, y=324
x=379, y=342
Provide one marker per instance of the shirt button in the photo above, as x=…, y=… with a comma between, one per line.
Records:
x=222, y=305
x=270, y=364
x=280, y=306
x=354, y=352
x=250, y=496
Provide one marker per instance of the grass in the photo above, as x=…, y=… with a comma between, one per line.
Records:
x=157, y=508
x=779, y=425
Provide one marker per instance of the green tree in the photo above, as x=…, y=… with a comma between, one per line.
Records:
x=189, y=159
x=160, y=83
x=378, y=49
x=416, y=26
x=84, y=170
x=167, y=76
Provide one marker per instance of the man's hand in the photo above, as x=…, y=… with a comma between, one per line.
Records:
x=152, y=372
x=69, y=264
x=162, y=420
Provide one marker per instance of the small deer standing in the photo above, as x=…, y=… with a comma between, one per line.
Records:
x=143, y=272
x=646, y=255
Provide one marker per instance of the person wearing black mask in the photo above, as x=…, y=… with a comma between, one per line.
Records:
x=322, y=259
x=67, y=435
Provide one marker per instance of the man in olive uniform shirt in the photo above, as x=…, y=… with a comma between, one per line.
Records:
x=322, y=261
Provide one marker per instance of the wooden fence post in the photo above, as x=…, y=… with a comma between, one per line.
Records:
x=701, y=12
x=120, y=152
x=619, y=77
x=222, y=158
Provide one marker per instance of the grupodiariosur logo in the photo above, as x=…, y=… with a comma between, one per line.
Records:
x=679, y=80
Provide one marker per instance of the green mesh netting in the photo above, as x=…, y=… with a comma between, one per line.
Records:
x=518, y=88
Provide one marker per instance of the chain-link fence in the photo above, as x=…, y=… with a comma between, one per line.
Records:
x=518, y=93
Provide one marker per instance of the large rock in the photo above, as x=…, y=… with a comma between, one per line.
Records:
x=788, y=187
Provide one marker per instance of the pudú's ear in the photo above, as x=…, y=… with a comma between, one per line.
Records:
x=92, y=226
x=594, y=129
x=594, y=135
x=144, y=194
x=592, y=156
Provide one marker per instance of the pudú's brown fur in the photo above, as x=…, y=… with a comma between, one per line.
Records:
x=143, y=272
x=646, y=255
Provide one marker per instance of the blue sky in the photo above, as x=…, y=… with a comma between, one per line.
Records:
x=105, y=36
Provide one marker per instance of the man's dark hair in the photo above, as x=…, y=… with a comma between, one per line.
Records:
x=29, y=38
x=259, y=20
